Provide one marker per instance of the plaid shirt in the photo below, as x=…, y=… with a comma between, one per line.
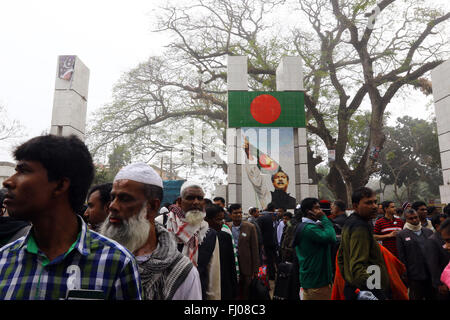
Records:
x=94, y=262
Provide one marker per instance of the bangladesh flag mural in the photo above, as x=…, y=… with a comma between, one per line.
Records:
x=266, y=109
x=265, y=163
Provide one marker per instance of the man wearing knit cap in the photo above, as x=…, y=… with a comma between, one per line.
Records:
x=406, y=205
x=196, y=239
x=165, y=273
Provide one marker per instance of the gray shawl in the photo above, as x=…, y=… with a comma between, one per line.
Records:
x=165, y=269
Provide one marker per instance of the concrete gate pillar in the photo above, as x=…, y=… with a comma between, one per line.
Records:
x=440, y=77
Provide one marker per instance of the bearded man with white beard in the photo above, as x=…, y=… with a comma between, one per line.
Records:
x=165, y=273
x=195, y=238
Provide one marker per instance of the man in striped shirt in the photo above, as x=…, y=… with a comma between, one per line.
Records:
x=59, y=257
x=387, y=227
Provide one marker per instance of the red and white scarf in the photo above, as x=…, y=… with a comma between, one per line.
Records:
x=190, y=235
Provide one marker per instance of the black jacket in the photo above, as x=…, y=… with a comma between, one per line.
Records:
x=340, y=220
x=260, y=239
x=268, y=232
x=411, y=251
x=205, y=252
x=228, y=275
x=10, y=228
x=437, y=258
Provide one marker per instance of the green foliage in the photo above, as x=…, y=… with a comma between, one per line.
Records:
x=323, y=190
x=357, y=140
x=102, y=175
x=411, y=159
x=120, y=157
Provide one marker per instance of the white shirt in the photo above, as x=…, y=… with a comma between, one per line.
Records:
x=191, y=288
x=280, y=231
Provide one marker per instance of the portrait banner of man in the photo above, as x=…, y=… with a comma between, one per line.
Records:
x=268, y=173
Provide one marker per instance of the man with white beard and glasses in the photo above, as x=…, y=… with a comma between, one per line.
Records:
x=196, y=239
x=165, y=273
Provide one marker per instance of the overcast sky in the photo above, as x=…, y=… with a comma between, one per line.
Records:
x=110, y=37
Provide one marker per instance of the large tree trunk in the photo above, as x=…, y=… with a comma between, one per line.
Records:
x=336, y=184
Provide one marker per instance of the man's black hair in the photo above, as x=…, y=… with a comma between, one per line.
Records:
x=418, y=204
x=252, y=210
x=430, y=209
x=385, y=204
x=340, y=204
x=436, y=219
x=105, y=192
x=270, y=207
x=219, y=199
x=279, y=170
x=288, y=214
x=213, y=210
x=409, y=211
x=234, y=206
x=445, y=225
x=207, y=201
x=446, y=209
x=62, y=157
x=281, y=207
x=308, y=204
x=360, y=193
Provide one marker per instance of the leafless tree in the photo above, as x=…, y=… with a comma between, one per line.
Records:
x=350, y=60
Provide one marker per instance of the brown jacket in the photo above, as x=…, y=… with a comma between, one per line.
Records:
x=248, y=250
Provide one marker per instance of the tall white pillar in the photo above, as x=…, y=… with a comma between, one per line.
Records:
x=70, y=97
x=440, y=77
x=289, y=77
x=237, y=80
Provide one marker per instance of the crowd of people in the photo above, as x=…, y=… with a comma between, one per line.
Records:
x=62, y=238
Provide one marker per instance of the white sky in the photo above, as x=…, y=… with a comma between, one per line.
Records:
x=110, y=37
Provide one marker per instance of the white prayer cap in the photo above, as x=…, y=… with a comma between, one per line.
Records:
x=140, y=172
x=188, y=184
x=163, y=210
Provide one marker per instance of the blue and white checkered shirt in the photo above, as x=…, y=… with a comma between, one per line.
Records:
x=94, y=262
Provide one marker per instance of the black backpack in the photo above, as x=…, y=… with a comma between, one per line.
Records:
x=287, y=249
x=258, y=291
x=287, y=284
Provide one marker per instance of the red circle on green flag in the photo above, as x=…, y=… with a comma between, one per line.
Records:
x=265, y=109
